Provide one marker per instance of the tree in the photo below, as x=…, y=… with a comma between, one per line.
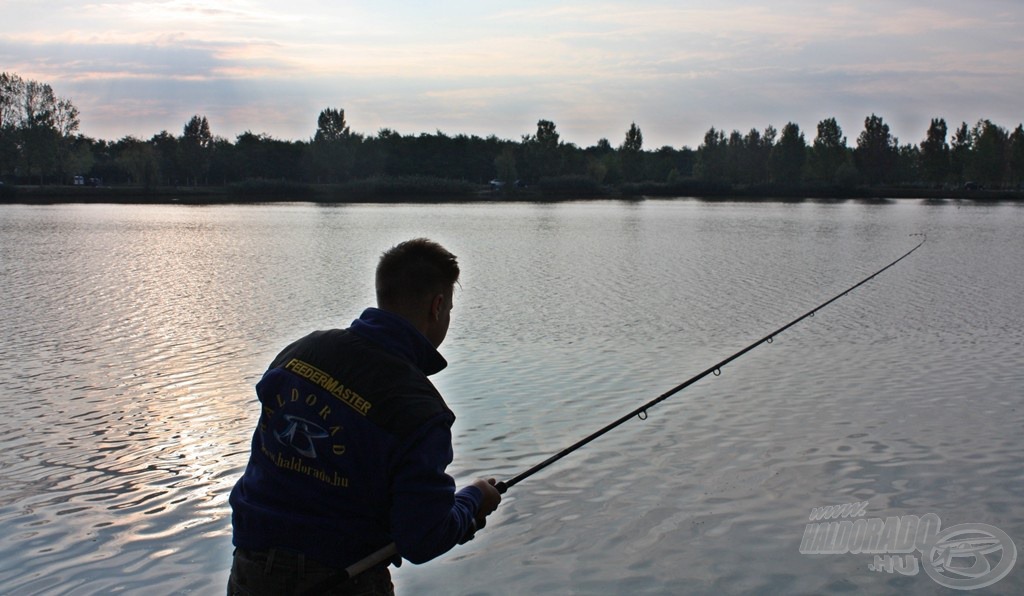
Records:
x=755, y=153
x=786, y=165
x=668, y=164
x=505, y=167
x=875, y=154
x=711, y=157
x=547, y=136
x=542, y=153
x=195, y=144
x=66, y=123
x=960, y=154
x=331, y=126
x=197, y=131
x=168, y=156
x=139, y=160
x=252, y=158
x=829, y=152
x=907, y=169
x=12, y=91
x=39, y=136
x=260, y=156
x=989, y=157
x=935, y=153
x=78, y=158
x=734, y=150
x=333, y=149
x=602, y=163
x=630, y=156
x=1016, y=161
x=634, y=140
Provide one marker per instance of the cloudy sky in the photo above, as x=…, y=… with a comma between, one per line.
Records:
x=676, y=68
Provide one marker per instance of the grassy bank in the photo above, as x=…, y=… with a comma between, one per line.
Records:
x=440, y=190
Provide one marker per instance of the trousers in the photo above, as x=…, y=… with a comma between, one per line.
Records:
x=280, y=572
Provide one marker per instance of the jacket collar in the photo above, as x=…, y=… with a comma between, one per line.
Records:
x=398, y=336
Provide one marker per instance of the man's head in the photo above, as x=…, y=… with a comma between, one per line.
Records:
x=416, y=279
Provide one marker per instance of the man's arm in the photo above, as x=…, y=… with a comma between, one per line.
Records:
x=428, y=517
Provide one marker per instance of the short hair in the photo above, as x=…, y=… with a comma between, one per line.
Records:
x=413, y=271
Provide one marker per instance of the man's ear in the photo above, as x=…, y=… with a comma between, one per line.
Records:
x=435, y=306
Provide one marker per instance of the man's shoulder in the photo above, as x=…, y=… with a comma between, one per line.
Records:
x=400, y=396
x=316, y=341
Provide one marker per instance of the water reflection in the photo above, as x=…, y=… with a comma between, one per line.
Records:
x=133, y=336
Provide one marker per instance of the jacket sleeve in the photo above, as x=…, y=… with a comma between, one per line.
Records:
x=428, y=517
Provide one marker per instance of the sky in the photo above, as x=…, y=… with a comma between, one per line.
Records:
x=675, y=68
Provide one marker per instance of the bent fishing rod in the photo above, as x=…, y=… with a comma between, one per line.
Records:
x=391, y=550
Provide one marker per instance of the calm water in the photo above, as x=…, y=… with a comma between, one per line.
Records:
x=132, y=337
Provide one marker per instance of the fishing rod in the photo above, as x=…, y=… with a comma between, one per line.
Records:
x=715, y=369
x=391, y=550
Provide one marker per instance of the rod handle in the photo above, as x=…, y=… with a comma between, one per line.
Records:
x=372, y=560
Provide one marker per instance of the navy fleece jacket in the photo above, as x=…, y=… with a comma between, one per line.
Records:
x=351, y=449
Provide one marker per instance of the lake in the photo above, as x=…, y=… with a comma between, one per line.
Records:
x=133, y=336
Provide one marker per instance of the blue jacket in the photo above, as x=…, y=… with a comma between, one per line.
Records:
x=350, y=450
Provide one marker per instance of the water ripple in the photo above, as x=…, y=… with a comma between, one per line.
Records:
x=133, y=340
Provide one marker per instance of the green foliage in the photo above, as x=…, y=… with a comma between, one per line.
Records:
x=197, y=132
x=332, y=154
x=139, y=159
x=195, y=147
x=631, y=160
x=75, y=157
x=505, y=167
x=788, y=156
x=829, y=153
x=12, y=89
x=668, y=162
x=712, y=157
x=546, y=135
x=907, y=170
x=331, y=126
x=634, y=140
x=754, y=156
x=1016, y=158
x=989, y=159
x=37, y=129
x=168, y=157
x=960, y=154
x=258, y=157
x=736, y=159
x=542, y=155
x=39, y=143
x=935, y=153
x=876, y=153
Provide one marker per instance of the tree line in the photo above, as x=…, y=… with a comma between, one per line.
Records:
x=40, y=143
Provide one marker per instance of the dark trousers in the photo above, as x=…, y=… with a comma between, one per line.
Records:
x=280, y=573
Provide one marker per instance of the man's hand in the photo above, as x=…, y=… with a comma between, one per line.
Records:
x=490, y=501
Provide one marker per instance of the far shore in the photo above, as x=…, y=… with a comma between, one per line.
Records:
x=341, y=194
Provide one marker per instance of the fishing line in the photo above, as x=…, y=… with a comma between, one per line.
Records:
x=391, y=550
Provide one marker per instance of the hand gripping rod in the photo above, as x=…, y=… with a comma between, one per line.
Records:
x=391, y=550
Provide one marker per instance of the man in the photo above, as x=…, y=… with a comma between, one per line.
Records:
x=352, y=443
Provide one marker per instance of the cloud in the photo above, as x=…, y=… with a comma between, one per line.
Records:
x=479, y=67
